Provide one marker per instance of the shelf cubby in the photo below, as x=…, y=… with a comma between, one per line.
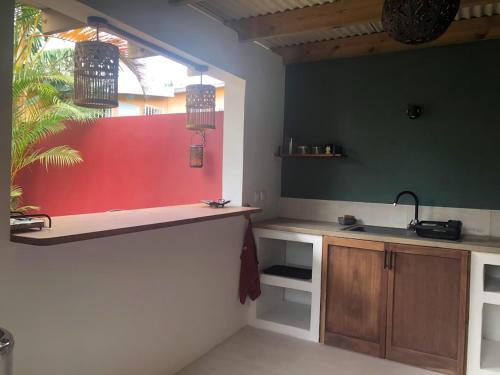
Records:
x=483, y=357
x=490, y=358
x=286, y=282
x=490, y=344
x=279, y=307
x=288, y=305
x=491, y=278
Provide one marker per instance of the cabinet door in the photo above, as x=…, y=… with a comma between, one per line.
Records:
x=354, y=294
x=427, y=307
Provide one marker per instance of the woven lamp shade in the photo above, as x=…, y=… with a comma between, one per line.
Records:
x=200, y=107
x=196, y=156
x=418, y=21
x=96, y=74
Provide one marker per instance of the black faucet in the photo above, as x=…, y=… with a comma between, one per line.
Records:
x=415, y=221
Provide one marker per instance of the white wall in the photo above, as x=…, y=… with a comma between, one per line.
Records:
x=475, y=221
x=145, y=303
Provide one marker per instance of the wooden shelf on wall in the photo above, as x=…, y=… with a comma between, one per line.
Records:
x=331, y=156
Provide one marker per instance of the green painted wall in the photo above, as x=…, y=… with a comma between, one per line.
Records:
x=449, y=157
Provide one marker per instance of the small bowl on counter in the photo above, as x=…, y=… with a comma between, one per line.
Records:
x=347, y=220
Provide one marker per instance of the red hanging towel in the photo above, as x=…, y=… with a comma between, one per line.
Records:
x=249, y=272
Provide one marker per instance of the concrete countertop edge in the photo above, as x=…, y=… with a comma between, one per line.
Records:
x=470, y=243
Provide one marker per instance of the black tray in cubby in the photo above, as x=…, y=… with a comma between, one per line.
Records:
x=288, y=271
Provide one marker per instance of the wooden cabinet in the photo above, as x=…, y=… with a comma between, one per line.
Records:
x=405, y=303
x=427, y=307
x=354, y=308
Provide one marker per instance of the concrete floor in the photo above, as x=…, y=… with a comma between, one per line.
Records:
x=256, y=352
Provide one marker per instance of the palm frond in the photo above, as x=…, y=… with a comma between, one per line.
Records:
x=27, y=208
x=60, y=59
x=25, y=88
x=27, y=34
x=41, y=91
x=136, y=67
x=59, y=156
x=16, y=193
x=41, y=88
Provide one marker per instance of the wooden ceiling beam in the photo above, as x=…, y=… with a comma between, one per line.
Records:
x=459, y=32
x=319, y=17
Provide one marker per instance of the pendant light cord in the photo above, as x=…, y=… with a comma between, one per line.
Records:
x=202, y=133
x=203, y=137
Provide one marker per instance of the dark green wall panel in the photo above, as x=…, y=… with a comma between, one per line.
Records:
x=449, y=157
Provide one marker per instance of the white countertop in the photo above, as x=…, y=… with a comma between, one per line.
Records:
x=104, y=224
x=468, y=242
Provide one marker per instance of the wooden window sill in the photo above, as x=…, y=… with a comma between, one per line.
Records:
x=105, y=224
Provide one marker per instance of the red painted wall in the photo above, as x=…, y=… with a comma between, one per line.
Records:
x=129, y=162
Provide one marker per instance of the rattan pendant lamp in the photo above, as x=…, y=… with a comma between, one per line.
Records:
x=200, y=110
x=418, y=21
x=96, y=74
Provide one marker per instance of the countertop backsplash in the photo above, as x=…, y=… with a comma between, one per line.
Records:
x=475, y=221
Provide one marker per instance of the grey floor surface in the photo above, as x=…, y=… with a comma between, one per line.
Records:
x=257, y=352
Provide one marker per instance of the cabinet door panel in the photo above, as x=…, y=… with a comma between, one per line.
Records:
x=427, y=308
x=356, y=298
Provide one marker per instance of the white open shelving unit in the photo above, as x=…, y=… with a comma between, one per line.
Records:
x=484, y=315
x=287, y=305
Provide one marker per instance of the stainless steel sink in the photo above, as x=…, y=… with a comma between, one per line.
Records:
x=372, y=229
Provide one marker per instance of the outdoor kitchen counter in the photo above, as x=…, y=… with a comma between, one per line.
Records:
x=84, y=227
x=469, y=242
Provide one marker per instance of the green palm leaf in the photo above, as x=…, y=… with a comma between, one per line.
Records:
x=16, y=193
x=41, y=90
x=59, y=156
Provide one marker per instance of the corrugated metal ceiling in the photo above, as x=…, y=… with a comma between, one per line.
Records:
x=226, y=10
x=237, y=9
